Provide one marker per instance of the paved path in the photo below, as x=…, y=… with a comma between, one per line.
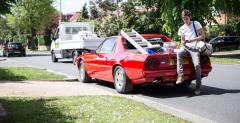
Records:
x=48, y=88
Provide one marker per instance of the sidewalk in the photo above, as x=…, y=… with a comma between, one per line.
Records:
x=48, y=88
x=227, y=53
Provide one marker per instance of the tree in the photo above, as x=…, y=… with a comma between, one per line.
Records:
x=202, y=10
x=5, y=31
x=146, y=21
x=5, y=6
x=31, y=16
x=94, y=12
x=84, y=12
x=107, y=6
x=107, y=26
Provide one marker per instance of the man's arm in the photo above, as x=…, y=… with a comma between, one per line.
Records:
x=201, y=35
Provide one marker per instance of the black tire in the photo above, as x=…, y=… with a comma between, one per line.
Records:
x=4, y=54
x=83, y=76
x=24, y=54
x=238, y=48
x=184, y=84
x=74, y=55
x=121, y=81
x=216, y=49
x=7, y=54
x=54, y=59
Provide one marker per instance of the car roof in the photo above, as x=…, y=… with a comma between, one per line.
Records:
x=148, y=36
x=15, y=43
x=226, y=36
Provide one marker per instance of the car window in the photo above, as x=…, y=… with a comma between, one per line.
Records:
x=233, y=39
x=15, y=45
x=107, y=46
x=154, y=41
x=68, y=30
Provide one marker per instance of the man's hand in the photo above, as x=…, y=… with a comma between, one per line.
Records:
x=183, y=39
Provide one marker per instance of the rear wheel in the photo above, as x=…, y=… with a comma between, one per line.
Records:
x=121, y=81
x=4, y=54
x=83, y=76
x=54, y=59
x=24, y=54
x=184, y=84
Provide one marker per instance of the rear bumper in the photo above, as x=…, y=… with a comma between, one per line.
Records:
x=169, y=76
x=15, y=52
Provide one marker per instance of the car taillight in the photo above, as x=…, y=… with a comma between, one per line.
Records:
x=152, y=63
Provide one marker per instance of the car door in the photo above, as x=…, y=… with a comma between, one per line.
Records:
x=104, y=60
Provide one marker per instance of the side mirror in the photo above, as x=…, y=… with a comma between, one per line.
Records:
x=53, y=38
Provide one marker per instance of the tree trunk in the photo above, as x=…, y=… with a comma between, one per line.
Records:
x=33, y=40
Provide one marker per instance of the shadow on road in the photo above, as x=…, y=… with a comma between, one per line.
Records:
x=169, y=91
x=35, y=55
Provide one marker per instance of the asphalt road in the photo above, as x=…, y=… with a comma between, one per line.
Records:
x=220, y=100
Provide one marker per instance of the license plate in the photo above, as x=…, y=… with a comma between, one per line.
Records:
x=174, y=61
x=17, y=52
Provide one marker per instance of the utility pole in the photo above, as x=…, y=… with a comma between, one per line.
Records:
x=60, y=16
x=117, y=15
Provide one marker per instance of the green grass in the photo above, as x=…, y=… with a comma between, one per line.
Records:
x=27, y=73
x=225, y=60
x=83, y=109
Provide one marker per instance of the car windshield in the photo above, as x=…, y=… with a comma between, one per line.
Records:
x=15, y=45
x=155, y=40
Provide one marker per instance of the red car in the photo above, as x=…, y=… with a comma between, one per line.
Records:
x=117, y=61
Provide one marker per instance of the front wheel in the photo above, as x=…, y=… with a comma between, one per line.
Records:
x=54, y=59
x=83, y=76
x=8, y=54
x=75, y=55
x=121, y=81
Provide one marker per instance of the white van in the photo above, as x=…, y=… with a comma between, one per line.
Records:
x=71, y=38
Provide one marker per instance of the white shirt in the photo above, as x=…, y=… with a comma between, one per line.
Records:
x=189, y=33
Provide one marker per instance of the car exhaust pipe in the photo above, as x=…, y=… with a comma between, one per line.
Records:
x=157, y=80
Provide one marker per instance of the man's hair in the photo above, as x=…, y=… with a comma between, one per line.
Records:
x=185, y=12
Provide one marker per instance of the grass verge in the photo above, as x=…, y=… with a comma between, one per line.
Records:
x=83, y=109
x=225, y=60
x=27, y=73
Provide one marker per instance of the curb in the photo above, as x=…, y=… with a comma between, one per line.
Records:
x=170, y=110
x=69, y=77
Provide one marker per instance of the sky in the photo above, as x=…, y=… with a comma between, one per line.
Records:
x=69, y=6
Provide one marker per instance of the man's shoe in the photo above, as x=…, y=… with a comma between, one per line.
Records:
x=197, y=91
x=180, y=79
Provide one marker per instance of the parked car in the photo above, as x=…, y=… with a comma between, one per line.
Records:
x=13, y=48
x=225, y=43
x=117, y=61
